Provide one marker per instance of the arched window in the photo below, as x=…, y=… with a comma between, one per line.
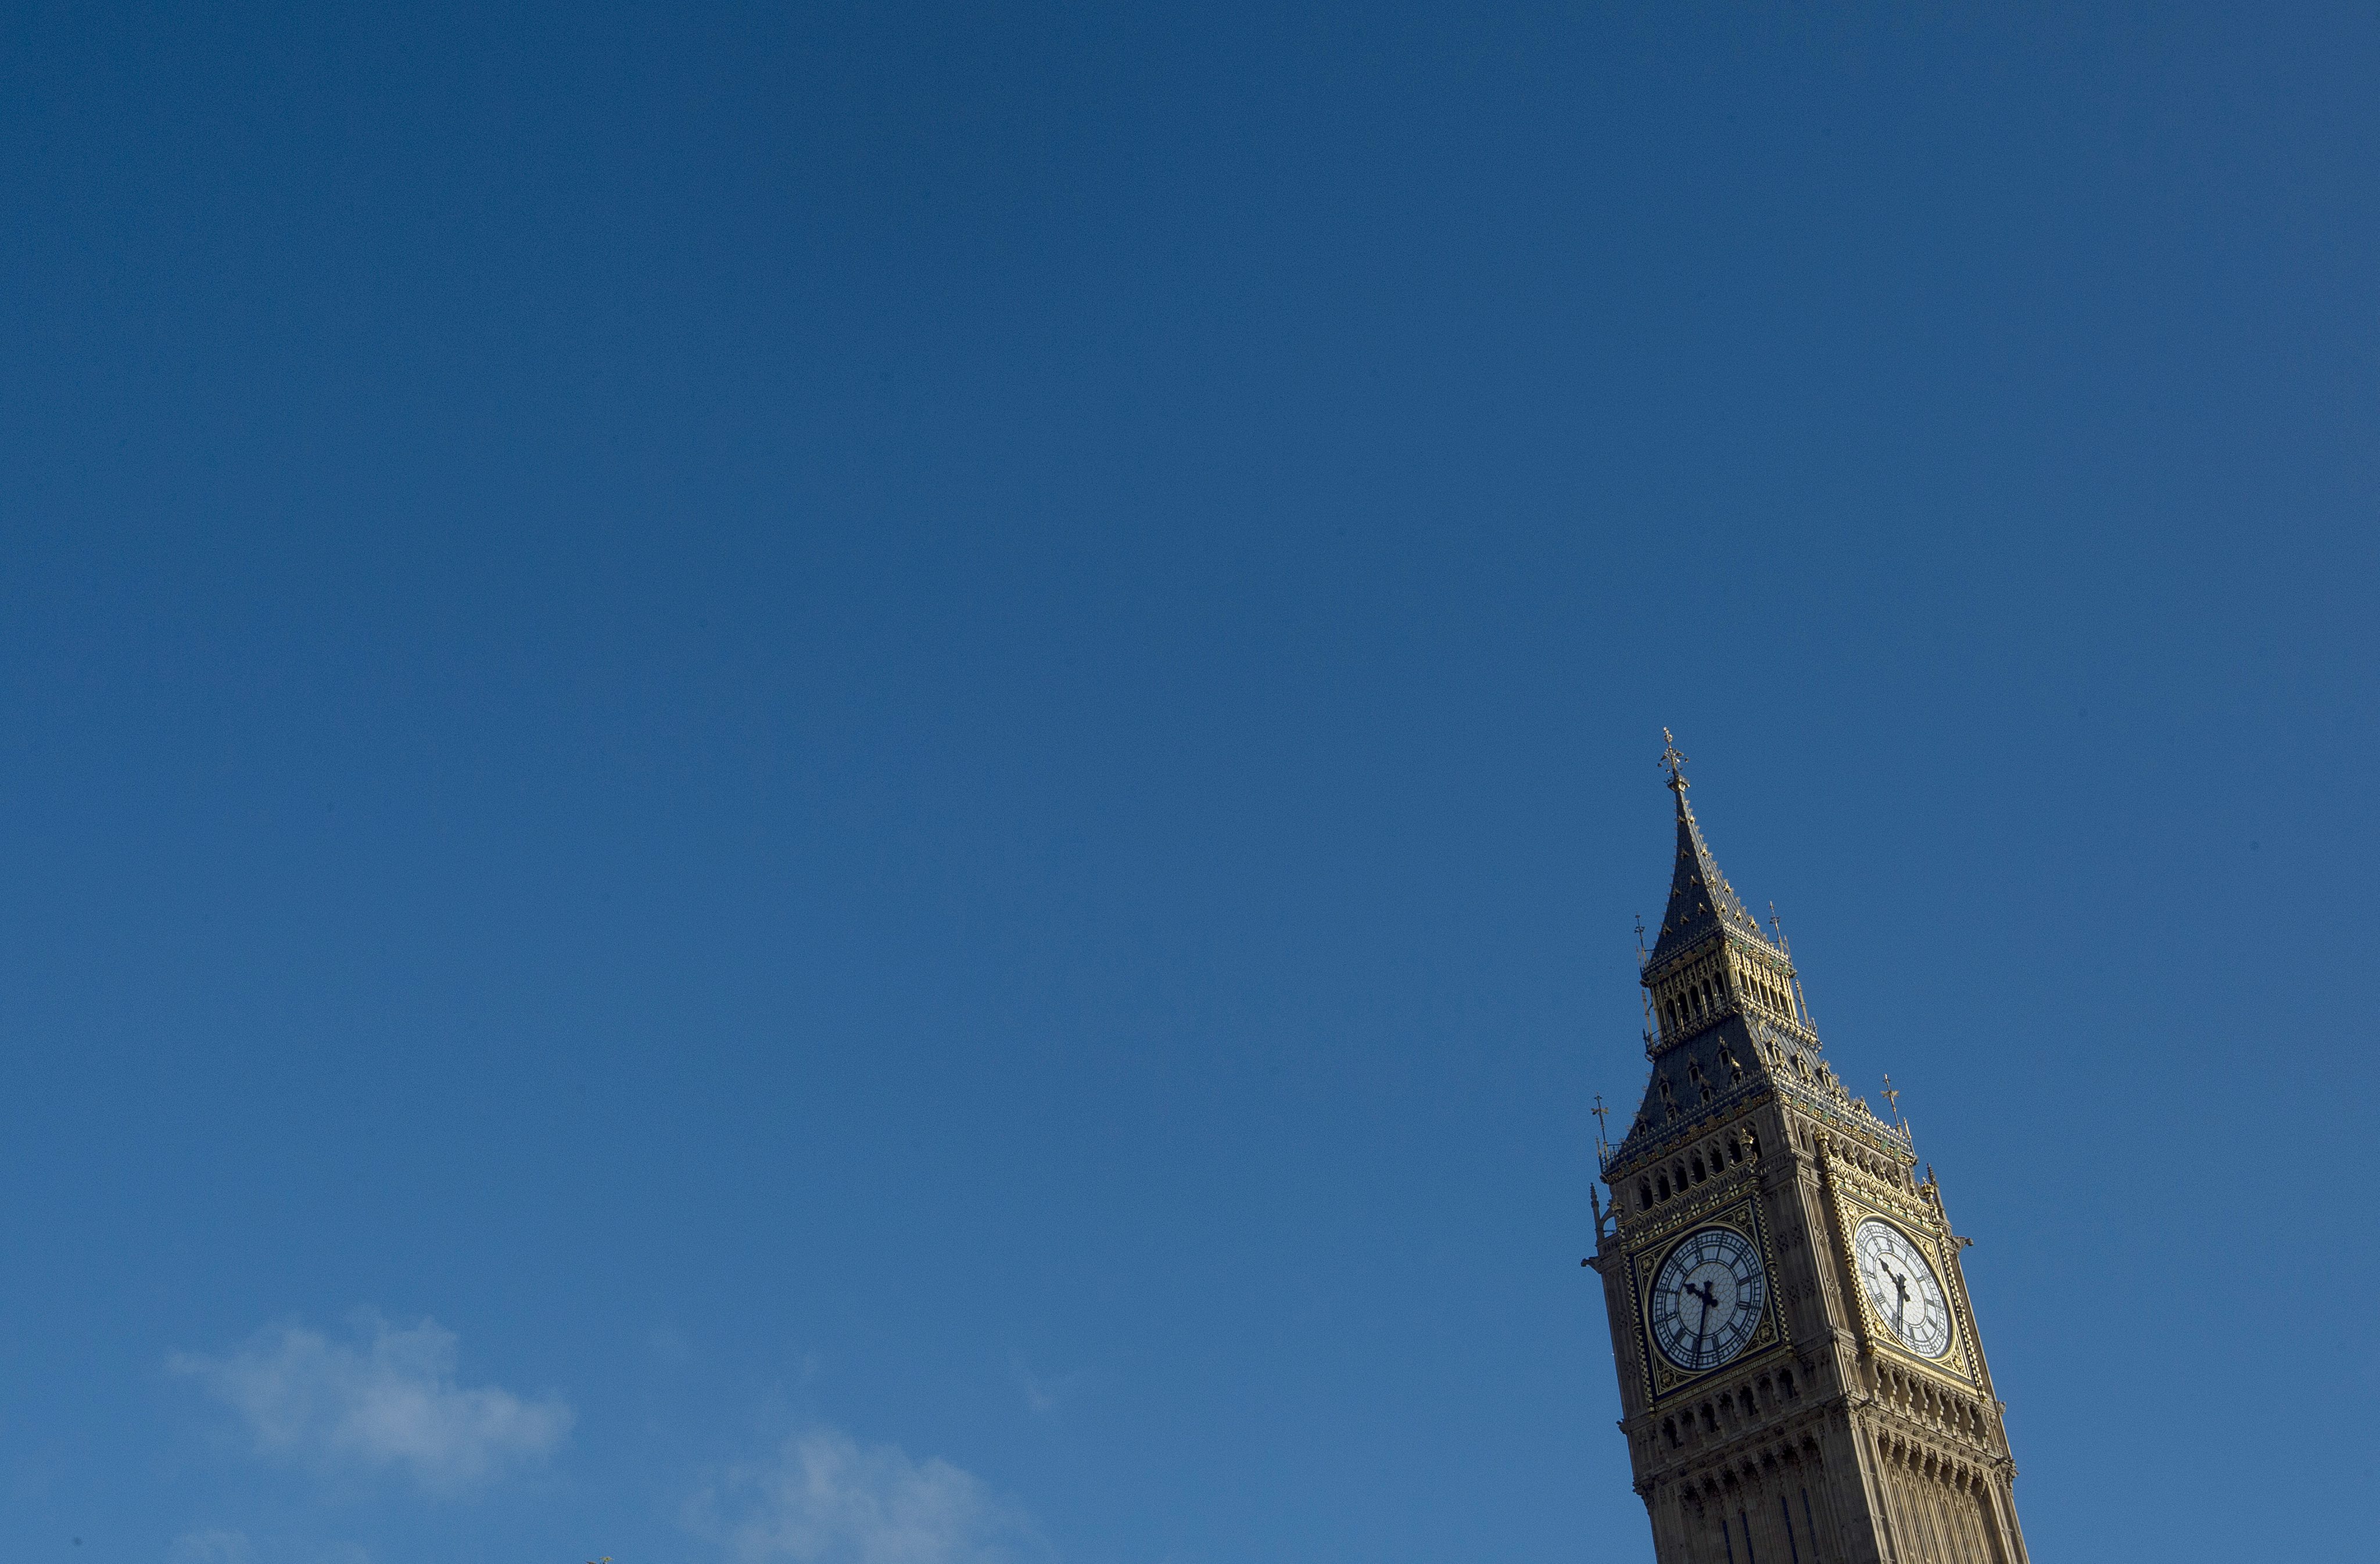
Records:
x=1662, y=1180
x=1785, y=1383
x=1643, y=1196
x=1669, y=1428
x=1699, y=1167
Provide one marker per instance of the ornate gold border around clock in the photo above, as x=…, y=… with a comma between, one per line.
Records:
x=1855, y=1194
x=1734, y=1204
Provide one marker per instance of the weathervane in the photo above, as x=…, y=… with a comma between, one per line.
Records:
x=1675, y=764
x=1600, y=1112
x=1891, y=1096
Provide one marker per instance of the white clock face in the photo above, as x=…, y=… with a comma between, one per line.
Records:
x=1706, y=1298
x=1902, y=1289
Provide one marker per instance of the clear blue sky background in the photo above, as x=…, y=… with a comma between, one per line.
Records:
x=908, y=753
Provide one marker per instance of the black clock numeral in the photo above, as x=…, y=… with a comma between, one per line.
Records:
x=1720, y=1270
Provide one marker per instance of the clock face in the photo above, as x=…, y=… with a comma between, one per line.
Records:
x=1706, y=1298
x=1902, y=1289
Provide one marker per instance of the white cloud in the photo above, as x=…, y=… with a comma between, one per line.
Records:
x=388, y=1404
x=821, y=1498
x=212, y=1547
x=1045, y=1394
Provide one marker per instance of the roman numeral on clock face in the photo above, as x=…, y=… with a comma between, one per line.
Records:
x=1896, y=1275
x=1707, y=1297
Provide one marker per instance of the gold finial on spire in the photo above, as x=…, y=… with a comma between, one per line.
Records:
x=1675, y=764
x=1893, y=1097
x=1599, y=1112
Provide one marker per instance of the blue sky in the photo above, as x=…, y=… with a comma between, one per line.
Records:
x=782, y=781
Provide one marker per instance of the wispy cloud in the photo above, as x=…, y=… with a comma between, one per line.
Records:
x=1045, y=1393
x=821, y=1498
x=387, y=1403
x=214, y=1545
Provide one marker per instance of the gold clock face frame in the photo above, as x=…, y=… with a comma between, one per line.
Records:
x=1857, y=1198
x=1734, y=1208
x=1706, y=1299
x=1906, y=1297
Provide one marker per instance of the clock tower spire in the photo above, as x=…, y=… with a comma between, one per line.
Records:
x=1700, y=897
x=1799, y=1364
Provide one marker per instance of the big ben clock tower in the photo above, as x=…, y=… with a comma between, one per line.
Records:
x=1800, y=1371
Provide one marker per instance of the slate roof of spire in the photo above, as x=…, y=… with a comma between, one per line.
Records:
x=1701, y=900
